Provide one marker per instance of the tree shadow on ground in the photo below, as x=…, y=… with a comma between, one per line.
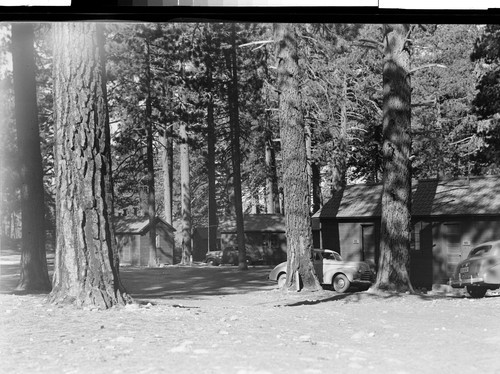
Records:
x=9, y=278
x=368, y=296
x=193, y=282
x=10, y=272
x=201, y=281
x=175, y=282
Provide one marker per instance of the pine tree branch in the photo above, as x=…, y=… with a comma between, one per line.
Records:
x=424, y=103
x=427, y=66
x=118, y=168
x=259, y=42
x=377, y=108
x=410, y=30
x=355, y=128
x=371, y=44
x=275, y=89
x=469, y=138
x=372, y=41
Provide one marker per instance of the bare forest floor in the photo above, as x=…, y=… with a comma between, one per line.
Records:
x=220, y=320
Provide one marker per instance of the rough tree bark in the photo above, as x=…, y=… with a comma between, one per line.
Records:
x=167, y=160
x=185, y=195
x=393, y=273
x=236, y=154
x=150, y=163
x=317, y=201
x=295, y=178
x=308, y=132
x=211, y=140
x=340, y=153
x=313, y=173
x=86, y=266
x=270, y=178
x=34, y=274
x=272, y=195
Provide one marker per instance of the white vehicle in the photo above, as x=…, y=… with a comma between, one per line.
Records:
x=332, y=270
x=480, y=271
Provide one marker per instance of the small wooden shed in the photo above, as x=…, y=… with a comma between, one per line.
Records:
x=449, y=218
x=132, y=236
x=264, y=233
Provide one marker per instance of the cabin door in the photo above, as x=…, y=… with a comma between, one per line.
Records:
x=453, y=245
x=368, y=245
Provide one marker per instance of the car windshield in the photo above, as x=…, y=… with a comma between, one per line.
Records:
x=332, y=256
x=479, y=251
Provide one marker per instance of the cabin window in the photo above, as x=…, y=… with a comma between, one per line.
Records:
x=415, y=237
x=274, y=241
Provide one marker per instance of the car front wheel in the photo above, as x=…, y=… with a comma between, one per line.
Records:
x=476, y=292
x=341, y=283
x=211, y=262
x=282, y=280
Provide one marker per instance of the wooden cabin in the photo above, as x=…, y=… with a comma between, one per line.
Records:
x=264, y=233
x=132, y=236
x=449, y=218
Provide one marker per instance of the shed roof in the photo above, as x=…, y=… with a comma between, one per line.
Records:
x=430, y=197
x=136, y=225
x=257, y=223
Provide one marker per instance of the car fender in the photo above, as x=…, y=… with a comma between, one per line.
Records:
x=277, y=271
x=492, y=274
x=329, y=276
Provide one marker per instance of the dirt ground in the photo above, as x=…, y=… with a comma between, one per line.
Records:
x=219, y=320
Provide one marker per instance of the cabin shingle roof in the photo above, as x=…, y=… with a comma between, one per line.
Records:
x=257, y=223
x=431, y=197
x=135, y=225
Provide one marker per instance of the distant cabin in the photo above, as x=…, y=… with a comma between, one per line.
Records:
x=200, y=243
x=264, y=233
x=449, y=218
x=132, y=236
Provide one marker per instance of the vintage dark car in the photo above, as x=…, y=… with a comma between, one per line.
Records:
x=230, y=256
x=332, y=271
x=480, y=271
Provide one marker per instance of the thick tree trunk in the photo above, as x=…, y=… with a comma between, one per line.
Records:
x=236, y=155
x=316, y=187
x=34, y=275
x=308, y=138
x=85, y=271
x=296, y=189
x=167, y=159
x=150, y=164
x=167, y=162
x=185, y=195
x=211, y=140
x=314, y=177
x=340, y=152
x=108, y=181
x=270, y=195
x=393, y=273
